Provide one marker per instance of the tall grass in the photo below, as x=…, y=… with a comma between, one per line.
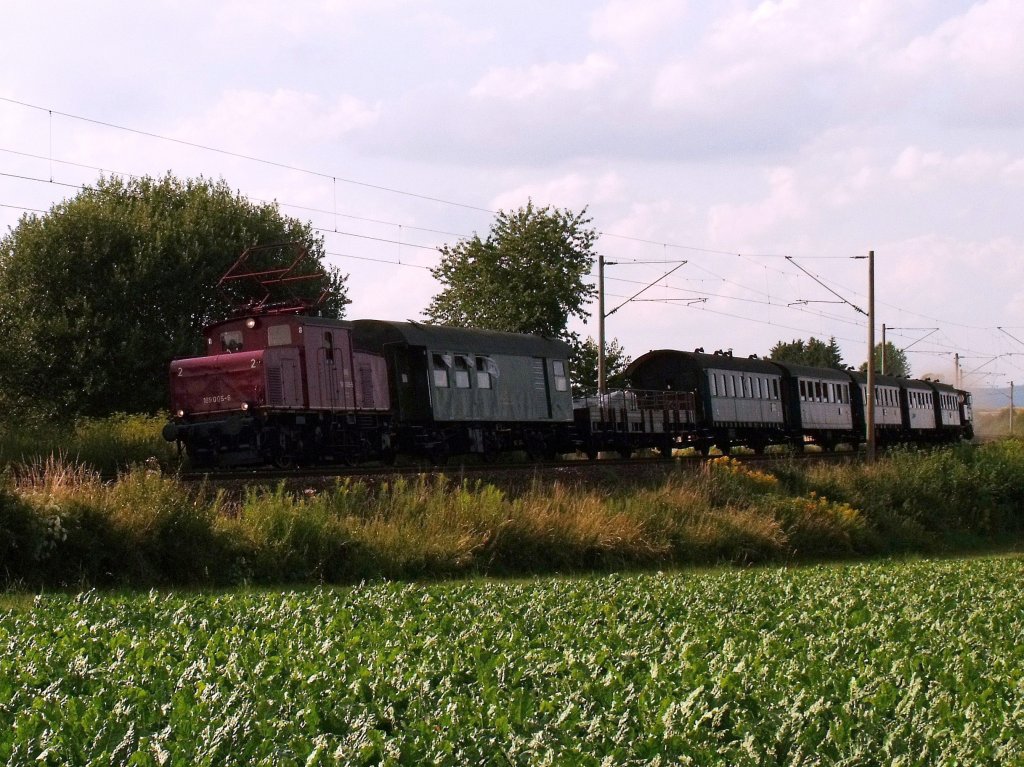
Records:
x=61, y=524
x=106, y=445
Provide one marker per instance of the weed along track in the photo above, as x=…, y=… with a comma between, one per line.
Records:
x=623, y=470
x=67, y=526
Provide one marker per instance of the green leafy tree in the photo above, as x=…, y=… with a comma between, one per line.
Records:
x=527, y=276
x=813, y=352
x=584, y=366
x=100, y=293
x=896, y=363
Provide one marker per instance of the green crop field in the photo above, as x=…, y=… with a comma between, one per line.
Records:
x=890, y=663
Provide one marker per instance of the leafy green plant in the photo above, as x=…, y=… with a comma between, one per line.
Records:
x=885, y=663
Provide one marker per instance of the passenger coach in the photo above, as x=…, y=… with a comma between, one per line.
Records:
x=738, y=400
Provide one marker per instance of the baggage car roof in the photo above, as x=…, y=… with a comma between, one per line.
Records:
x=374, y=334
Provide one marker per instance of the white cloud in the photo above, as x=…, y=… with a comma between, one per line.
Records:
x=544, y=80
x=261, y=121
x=573, y=191
x=631, y=24
x=732, y=223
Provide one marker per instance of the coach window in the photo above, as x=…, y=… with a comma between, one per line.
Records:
x=803, y=390
x=730, y=385
x=745, y=384
x=440, y=365
x=231, y=340
x=483, y=374
x=775, y=388
x=561, y=379
x=713, y=383
x=461, y=370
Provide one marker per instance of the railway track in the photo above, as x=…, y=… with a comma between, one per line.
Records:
x=604, y=470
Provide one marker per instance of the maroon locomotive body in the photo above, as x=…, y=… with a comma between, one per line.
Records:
x=275, y=387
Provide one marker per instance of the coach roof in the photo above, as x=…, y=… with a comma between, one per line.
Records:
x=700, y=361
x=807, y=371
x=372, y=335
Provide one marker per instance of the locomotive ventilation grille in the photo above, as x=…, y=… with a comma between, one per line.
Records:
x=366, y=385
x=275, y=387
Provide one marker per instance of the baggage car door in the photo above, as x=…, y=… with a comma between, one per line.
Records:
x=410, y=381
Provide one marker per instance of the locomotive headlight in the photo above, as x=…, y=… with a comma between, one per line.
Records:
x=245, y=406
x=181, y=414
x=250, y=323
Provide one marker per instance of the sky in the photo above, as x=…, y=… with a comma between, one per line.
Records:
x=770, y=145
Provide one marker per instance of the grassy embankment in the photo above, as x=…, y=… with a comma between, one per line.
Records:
x=61, y=524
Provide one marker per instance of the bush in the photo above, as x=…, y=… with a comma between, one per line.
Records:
x=105, y=445
x=61, y=524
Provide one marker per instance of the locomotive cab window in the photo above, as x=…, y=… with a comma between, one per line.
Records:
x=561, y=379
x=440, y=368
x=461, y=370
x=329, y=346
x=231, y=340
x=279, y=335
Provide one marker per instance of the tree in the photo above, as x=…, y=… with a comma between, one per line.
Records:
x=895, y=361
x=100, y=293
x=583, y=365
x=526, y=277
x=813, y=352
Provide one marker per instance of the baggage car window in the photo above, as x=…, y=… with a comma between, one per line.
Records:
x=483, y=374
x=561, y=379
x=440, y=366
x=461, y=372
x=231, y=340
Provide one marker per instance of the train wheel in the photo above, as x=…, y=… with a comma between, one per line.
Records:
x=626, y=451
x=665, y=451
